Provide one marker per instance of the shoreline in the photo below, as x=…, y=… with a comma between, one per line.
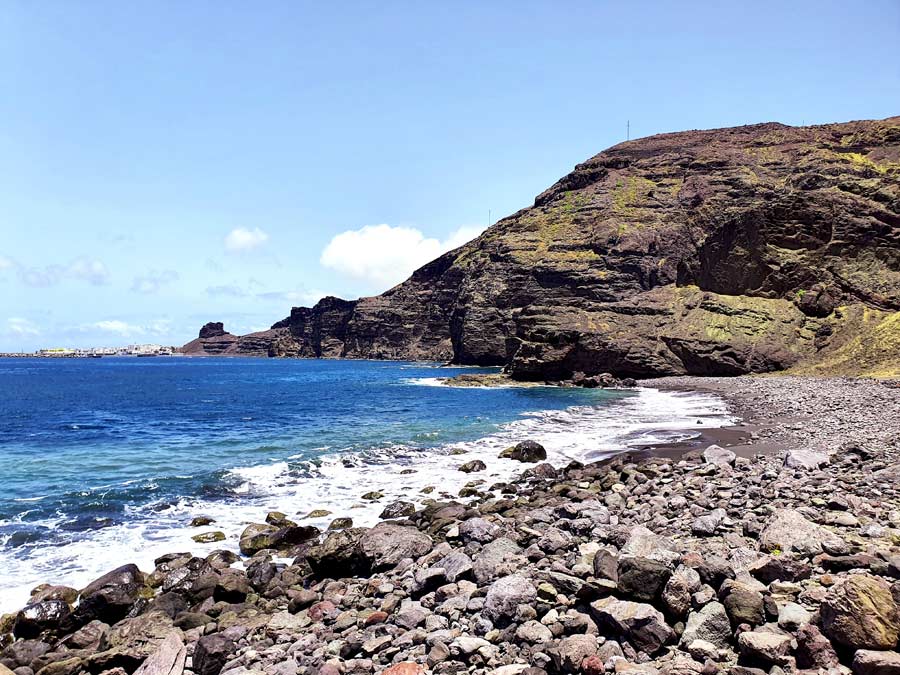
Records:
x=735, y=557
x=331, y=483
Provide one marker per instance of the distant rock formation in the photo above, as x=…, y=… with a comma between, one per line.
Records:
x=750, y=249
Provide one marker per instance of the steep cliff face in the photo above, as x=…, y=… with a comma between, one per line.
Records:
x=749, y=249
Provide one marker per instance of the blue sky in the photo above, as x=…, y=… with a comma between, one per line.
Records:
x=163, y=164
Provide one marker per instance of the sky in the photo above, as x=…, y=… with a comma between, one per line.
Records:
x=164, y=164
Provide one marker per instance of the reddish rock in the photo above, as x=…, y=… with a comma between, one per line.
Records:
x=593, y=665
x=376, y=617
x=323, y=610
x=404, y=668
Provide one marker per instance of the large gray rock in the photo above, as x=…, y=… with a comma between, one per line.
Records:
x=534, y=632
x=478, y=529
x=719, y=456
x=710, y=624
x=764, y=648
x=642, y=578
x=644, y=543
x=789, y=532
x=805, y=458
x=638, y=623
x=386, y=544
x=498, y=558
x=705, y=526
x=505, y=595
x=168, y=659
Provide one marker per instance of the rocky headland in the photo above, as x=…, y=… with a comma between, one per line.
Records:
x=750, y=249
x=779, y=553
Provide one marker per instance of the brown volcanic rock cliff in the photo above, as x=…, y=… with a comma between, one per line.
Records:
x=749, y=249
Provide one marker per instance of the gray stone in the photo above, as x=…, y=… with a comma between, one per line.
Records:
x=710, y=624
x=805, y=458
x=505, y=595
x=791, y=616
x=720, y=457
x=705, y=526
x=788, y=531
x=478, y=529
x=870, y=662
x=386, y=544
x=534, y=632
x=638, y=623
x=765, y=648
x=498, y=558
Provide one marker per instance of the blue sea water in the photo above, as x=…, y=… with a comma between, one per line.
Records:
x=105, y=461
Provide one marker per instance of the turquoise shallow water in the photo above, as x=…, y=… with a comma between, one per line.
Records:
x=106, y=460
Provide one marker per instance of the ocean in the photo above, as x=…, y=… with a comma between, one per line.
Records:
x=106, y=461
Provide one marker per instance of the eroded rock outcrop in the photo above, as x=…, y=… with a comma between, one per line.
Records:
x=721, y=252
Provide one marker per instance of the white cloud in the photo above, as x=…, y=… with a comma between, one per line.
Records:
x=87, y=269
x=114, y=326
x=21, y=327
x=227, y=290
x=82, y=269
x=384, y=255
x=241, y=239
x=297, y=297
x=153, y=281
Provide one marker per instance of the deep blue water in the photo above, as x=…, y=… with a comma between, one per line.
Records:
x=71, y=427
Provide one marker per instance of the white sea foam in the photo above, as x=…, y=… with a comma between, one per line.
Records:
x=337, y=480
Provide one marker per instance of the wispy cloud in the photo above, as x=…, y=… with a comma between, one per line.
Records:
x=226, y=290
x=385, y=255
x=241, y=239
x=113, y=326
x=300, y=296
x=125, y=329
x=152, y=281
x=19, y=327
x=80, y=269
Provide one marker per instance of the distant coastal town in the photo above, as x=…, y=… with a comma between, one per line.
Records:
x=96, y=352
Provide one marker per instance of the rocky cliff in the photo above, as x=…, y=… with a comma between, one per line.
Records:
x=749, y=249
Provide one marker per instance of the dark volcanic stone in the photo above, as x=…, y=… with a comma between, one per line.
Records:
x=211, y=654
x=526, y=451
x=39, y=617
x=641, y=578
x=110, y=597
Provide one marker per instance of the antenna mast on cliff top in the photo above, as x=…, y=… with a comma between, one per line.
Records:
x=628, y=130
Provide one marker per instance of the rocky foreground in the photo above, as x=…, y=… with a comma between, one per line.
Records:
x=738, y=561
